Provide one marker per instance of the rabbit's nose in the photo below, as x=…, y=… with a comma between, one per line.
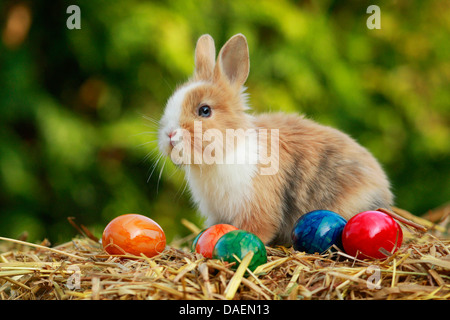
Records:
x=173, y=137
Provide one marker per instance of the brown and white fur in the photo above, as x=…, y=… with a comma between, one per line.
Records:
x=319, y=167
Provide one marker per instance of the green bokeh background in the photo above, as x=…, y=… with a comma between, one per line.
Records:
x=74, y=140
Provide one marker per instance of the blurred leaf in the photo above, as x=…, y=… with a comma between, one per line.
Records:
x=75, y=142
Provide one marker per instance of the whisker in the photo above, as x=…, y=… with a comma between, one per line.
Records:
x=179, y=194
x=149, y=154
x=152, y=123
x=184, y=188
x=173, y=173
x=145, y=143
x=154, y=167
x=150, y=119
x=143, y=133
x=160, y=173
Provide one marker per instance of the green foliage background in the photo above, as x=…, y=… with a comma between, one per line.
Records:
x=75, y=142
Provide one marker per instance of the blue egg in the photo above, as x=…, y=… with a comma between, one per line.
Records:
x=317, y=231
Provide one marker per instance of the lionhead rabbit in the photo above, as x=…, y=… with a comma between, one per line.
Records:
x=308, y=166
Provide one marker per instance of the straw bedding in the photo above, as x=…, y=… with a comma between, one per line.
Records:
x=80, y=269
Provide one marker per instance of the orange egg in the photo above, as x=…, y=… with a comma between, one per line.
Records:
x=207, y=240
x=134, y=234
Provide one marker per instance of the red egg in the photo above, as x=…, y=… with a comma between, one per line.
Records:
x=207, y=240
x=368, y=231
x=133, y=234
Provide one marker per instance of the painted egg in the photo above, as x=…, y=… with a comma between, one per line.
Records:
x=369, y=231
x=238, y=243
x=207, y=240
x=317, y=231
x=134, y=234
x=194, y=242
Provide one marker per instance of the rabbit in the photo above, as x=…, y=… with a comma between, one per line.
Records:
x=319, y=167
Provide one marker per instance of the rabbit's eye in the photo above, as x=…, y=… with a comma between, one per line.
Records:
x=204, y=111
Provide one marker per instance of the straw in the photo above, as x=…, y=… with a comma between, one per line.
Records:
x=81, y=270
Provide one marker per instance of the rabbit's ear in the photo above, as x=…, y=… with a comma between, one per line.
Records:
x=233, y=61
x=205, y=54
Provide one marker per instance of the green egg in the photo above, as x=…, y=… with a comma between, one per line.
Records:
x=239, y=243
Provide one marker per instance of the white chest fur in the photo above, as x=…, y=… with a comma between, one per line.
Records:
x=221, y=190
